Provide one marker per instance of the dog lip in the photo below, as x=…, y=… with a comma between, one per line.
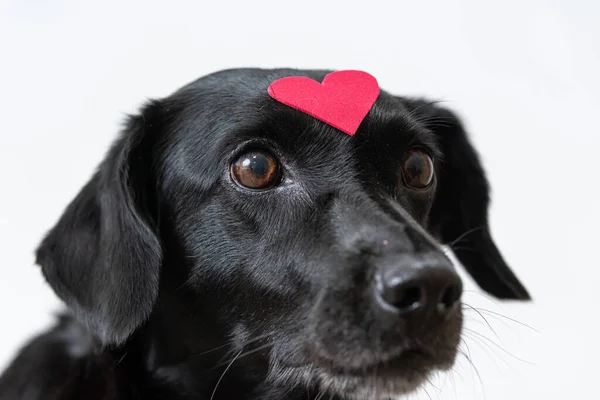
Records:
x=390, y=365
x=391, y=376
x=403, y=360
x=404, y=356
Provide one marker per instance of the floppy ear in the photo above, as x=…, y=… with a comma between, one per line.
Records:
x=459, y=213
x=103, y=256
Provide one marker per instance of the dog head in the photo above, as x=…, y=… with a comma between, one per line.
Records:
x=269, y=227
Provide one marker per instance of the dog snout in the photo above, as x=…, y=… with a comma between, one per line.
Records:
x=419, y=287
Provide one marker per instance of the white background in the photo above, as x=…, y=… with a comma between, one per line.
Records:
x=523, y=74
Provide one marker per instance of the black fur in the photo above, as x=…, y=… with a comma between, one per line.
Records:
x=182, y=285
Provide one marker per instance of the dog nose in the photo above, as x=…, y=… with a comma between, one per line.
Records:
x=426, y=289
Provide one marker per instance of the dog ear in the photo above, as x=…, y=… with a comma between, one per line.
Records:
x=103, y=257
x=459, y=213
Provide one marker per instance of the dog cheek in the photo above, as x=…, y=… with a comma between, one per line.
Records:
x=344, y=328
x=448, y=347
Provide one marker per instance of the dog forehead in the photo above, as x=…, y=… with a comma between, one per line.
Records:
x=240, y=97
x=225, y=109
x=234, y=105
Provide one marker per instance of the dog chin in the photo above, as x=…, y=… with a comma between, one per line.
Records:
x=370, y=387
x=353, y=386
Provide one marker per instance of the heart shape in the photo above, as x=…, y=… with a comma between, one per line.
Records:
x=342, y=100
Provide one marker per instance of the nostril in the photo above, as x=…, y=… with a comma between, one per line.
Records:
x=409, y=299
x=450, y=297
x=403, y=297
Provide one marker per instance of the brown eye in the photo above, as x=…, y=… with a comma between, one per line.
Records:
x=256, y=170
x=417, y=169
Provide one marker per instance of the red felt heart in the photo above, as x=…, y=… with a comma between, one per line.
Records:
x=342, y=100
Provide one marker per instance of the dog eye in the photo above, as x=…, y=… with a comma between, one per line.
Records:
x=256, y=170
x=417, y=170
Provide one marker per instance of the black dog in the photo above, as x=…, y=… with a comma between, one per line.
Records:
x=231, y=247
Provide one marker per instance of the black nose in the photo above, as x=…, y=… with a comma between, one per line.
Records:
x=410, y=289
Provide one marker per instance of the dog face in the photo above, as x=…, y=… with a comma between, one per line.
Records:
x=269, y=227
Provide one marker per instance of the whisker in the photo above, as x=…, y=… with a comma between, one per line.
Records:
x=501, y=321
x=486, y=321
x=467, y=330
x=414, y=111
x=508, y=318
x=242, y=355
x=464, y=234
x=426, y=119
x=121, y=359
x=467, y=346
x=253, y=340
x=454, y=382
x=223, y=374
x=486, y=296
x=435, y=124
x=489, y=350
x=188, y=280
x=432, y=385
x=426, y=392
x=210, y=351
x=454, y=371
x=474, y=368
x=463, y=248
x=436, y=118
x=469, y=358
x=436, y=121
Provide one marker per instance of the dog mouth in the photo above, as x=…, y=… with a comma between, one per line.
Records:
x=392, y=376
x=392, y=366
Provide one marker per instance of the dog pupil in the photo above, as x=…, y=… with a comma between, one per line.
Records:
x=258, y=164
x=415, y=166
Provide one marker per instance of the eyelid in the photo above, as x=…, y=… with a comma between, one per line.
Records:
x=429, y=146
x=424, y=148
x=255, y=144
